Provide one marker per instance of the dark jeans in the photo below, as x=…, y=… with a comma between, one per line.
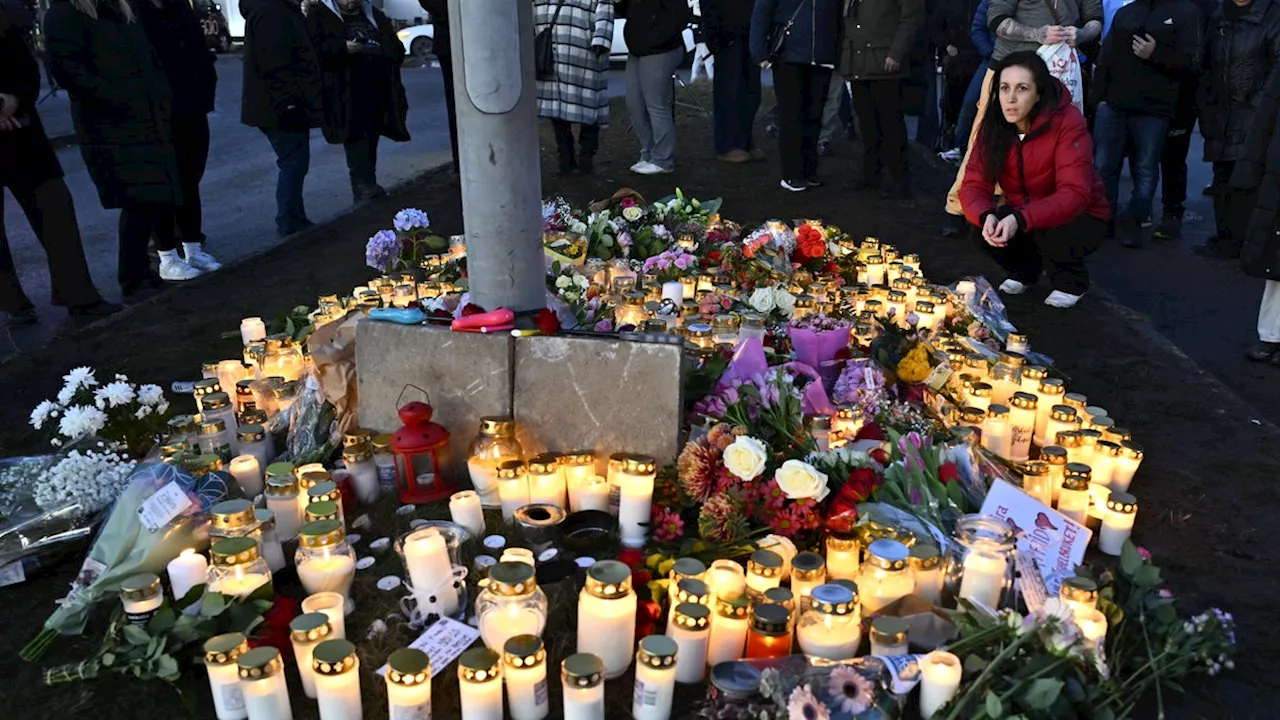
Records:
x=1231, y=206
x=927, y=125
x=588, y=141
x=362, y=160
x=1173, y=168
x=293, y=157
x=52, y=215
x=878, y=104
x=1059, y=251
x=801, y=90
x=1112, y=129
x=736, y=95
x=138, y=225
x=955, y=85
x=450, y=103
x=969, y=107
x=191, y=146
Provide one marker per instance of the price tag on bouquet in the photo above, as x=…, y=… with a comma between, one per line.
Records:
x=165, y=504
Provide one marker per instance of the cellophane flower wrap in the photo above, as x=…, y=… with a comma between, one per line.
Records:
x=818, y=340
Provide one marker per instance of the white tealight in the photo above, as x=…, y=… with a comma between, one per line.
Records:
x=388, y=583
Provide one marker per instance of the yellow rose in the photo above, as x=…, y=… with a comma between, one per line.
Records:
x=745, y=458
x=802, y=480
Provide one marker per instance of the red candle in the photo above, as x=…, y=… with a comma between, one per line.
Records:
x=770, y=633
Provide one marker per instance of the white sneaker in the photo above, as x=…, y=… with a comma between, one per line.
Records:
x=795, y=187
x=1059, y=299
x=639, y=164
x=199, y=259
x=648, y=168
x=953, y=155
x=175, y=268
x=1012, y=287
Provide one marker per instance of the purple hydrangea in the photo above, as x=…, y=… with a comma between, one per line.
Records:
x=382, y=250
x=410, y=219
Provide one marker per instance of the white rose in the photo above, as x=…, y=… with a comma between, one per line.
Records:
x=578, y=227
x=745, y=458
x=785, y=301
x=762, y=301
x=801, y=480
x=563, y=282
x=632, y=213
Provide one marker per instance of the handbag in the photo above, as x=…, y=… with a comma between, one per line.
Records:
x=544, y=53
x=778, y=35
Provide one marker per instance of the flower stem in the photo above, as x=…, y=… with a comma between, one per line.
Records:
x=975, y=690
x=39, y=645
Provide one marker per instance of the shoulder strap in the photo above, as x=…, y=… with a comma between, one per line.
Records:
x=791, y=20
x=556, y=17
x=1057, y=19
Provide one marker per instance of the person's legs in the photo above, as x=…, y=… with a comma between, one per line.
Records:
x=191, y=145
x=1269, y=313
x=816, y=82
x=887, y=95
x=831, y=112
x=52, y=215
x=953, y=195
x=1019, y=258
x=362, y=165
x=659, y=92
x=293, y=158
x=1064, y=250
x=588, y=145
x=969, y=107
x=749, y=96
x=1231, y=210
x=1109, y=134
x=450, y=103
x=927, y=124
x=566, y=153
x=864, y=107
x=133, y=268
x=1147, y=133
x=727, y=97
x=1173, y=179
x=636, y=106
x=787, y=89
x=12, y=298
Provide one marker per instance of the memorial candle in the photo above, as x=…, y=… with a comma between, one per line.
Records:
x=266, y=696
x=1036, y=481
x=1093, y=625
x=635, y=504
x=808, y=571
x=607, y=616
x=480, y=684
x=926, y=568
x=728, y=628
x=252, y=330
x=997, y=435
x=1080, y=594
x=282, y=500
x=842, y=558
x=408, y=682
x=426, y=556
x=248, y=474
x=889, y=636
x=324, y=559
x=305, y=633
x=691, y=629
x=221, y=653
x=142, y=595
x=466, y=510
x=332, y=605
x=513, y=487
x=579, y=469
x=1126, y=466
x=685, y=568
x=546, y=482
x=525, y=675
x=980, y=396
x=186, y=571
x=984, y=576
x=1117, y=522
x=940, y=673
x=592, y=494
x=1073, y=500
x=831, y=625
x=655, y=678
x=1050, y=392
x=885, y=576
x=582, y=680
x=764, y=571
x=1056, y=457
x=769, y=635
x=689, y=590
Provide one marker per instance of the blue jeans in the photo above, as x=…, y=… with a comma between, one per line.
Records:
x=969, y=110
x=1112, y=129
x=293, y=157
x=736, y=96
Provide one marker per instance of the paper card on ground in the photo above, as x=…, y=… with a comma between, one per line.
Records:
x=12, y=574
x=164, y=505
x=1057, y=542
x=443, y=642
x=1030, y=580
x=904, y=671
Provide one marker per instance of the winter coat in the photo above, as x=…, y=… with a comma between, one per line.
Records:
x=120, y=103
x=439, y=11
x=653, y=26
x=349, y=94
x=1258, y=172
x=1241, y=56
x=188, y=64
x=725, y=22
x=950, y=24
x=981, y=35
x=283, y=89
x=27, y=159
x=814, y=38
x=1037, y=14
x=875, y=30
x=1048, y=179
x=1128, y=83
x=582, y=39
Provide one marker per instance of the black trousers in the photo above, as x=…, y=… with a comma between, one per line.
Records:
x=191, y=145
x=587, y=142
x=801, y=91
x=52, y=215
x=362, y=159
x=450, y=104
x=878, y=105
x=1058, y=251
x=138, y=224
x=736, y=95
x=1231, y=207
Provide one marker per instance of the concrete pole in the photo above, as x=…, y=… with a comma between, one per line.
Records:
x=496, y=95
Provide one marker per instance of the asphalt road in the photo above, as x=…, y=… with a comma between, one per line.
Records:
x=238, y=190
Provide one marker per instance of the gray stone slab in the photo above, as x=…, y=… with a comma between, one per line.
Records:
x=606, y=395
x=468, y=375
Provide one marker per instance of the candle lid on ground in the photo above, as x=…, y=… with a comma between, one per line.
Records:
x=142, y=586
x=608, y=579
x=770, y=619
x=513, y=578
x=225, y=649
x=1122, y=502
x=692, y=616
x=321, y=533
x=260, y=663
x=310, y=627
x=334, y=657
x=234, y=551
x=408, y=667
x=765, y=563
x=658, y=651
x=888, y=630
x=887, y=554
x=523, y=651
x=479, y=664
x=833, y=599
x=582, y=670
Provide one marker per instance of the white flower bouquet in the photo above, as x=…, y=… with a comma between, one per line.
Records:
x=132, y=416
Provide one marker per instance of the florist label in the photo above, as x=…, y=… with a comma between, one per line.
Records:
x=1057, y=542
x=443, y=642
x=164, y=505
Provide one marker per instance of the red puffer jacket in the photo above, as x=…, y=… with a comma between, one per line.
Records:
x=1048, y=177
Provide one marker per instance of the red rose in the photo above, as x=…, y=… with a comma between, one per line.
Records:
x=879, y=455
x=640, y=578
x=809, y=243
x=547, y=322
x=861, y=483
x=715, y=255
x=647, y=614
x=948, y=473
x=870, y=431
x=631, y=557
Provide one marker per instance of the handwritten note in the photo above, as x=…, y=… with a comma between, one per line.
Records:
x=1057, y=542
x=443, y=642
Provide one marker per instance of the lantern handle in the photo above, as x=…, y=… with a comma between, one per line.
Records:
x=406, y=389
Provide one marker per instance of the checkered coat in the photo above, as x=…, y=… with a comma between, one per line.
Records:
x=580, y=91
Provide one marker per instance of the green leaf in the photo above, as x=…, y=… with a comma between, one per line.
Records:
x=135, y=635
x=214, y=604
x=108, y=659
x=193, y=595
x=1147, y=576
x=167, y=668
x=993, y=706
x=1043, y=693
x=974, y=664
x=1130, y=560
x=162, y=622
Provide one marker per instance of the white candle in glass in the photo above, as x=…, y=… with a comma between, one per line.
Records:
x=725, y=578
x=591, y=494
x=997, y=435
x=635, y=504
x=1117, y=522
x=983, y=579
x=513, y=488
x=408, y=681
x=337, y=674
x=1126, y=466
x=889, y=636
x=1022, y=425
x=331, y=604
x=252, y=330
x=980, y=396
x=1105, y=455
x=484, y=477
x=141, y=596
x=1031, y=377
x=808, y=571
x=939, y=679
x=546, y=482
x=691, y=629
x=926, y=569
x=582, y=679
x=229, y=373
x=480, y=684
x=655, y=678
x=842, y=558
x=1036, y=481
x=1050, y=392
x=305, y=633
x=466, y=510
x=831, y=626
x=1062, y=418
x=728, y=628
x=186, y=571
x=266, y=695
x=525, y=675
x=607, y=616
x=282, y=501
x=1092, y=624
x=1073, y=499
x=764, y=571
x=248, y=474
x=426, y=554
x=221, y=653
x=330, y=572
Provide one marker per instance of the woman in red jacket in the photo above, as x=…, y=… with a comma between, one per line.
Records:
x=1035, y=146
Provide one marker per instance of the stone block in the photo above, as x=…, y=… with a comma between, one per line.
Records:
x=604, y=394
x=467, y=375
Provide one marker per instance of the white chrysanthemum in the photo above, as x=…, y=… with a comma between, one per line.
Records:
x=42, y=413
x=163, y=407
x=81, y=420
x=142, y=412
x=581, y=281
x=81, y=376
x=66, y=394
x=114, y=395
x=150, y=394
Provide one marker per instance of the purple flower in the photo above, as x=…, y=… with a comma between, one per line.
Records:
x=914, y=438
x=915, y=496
x=682, y=262
x=604, y=326
x=411, y=218
x=730, y=396
x=382, y=250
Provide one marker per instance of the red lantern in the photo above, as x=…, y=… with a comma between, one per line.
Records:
x=423, y=461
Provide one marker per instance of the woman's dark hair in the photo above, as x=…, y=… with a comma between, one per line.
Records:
x=997, y=135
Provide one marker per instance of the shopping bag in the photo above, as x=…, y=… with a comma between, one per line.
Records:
x=1065, y=65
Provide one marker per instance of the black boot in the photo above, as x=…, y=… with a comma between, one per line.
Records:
x=1219, y=248
x=1129, y=231
x=565, y=149
x=953, y=227
x=586, y=163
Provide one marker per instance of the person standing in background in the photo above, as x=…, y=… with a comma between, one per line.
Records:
x=32, y=173
x=282, y=97
x=582, y=35
x=837, y=116
x=178, y=40
x=442, y=47
x=873, y=57
x=949, y=27
x=1257, y=173
x=984, y=41
x=655, y=47
x=364, y=100
x=1177, y=145
x=123, y=113
x=736, y=90
x=802, y=66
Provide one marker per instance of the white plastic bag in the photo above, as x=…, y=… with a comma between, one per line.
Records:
x=703, y=62
x=1064, y=64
